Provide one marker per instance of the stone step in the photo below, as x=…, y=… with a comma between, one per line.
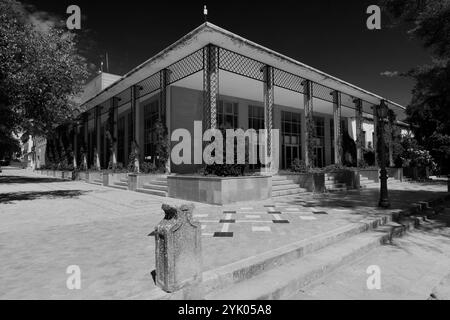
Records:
x=124, y=180
x=279, y=178
x=121, y=183
x=151, y=186
x=152, y=192
x=289, y=192
x=292, y=276
x=115, y=186
x=282, y=182
x=285, y=187
x=159, y=182
x=98, y=182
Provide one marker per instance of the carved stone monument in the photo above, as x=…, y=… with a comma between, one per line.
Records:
x=178, y=249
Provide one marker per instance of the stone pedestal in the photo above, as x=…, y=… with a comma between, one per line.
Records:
x=178, y=249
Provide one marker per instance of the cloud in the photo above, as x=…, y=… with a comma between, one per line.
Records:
x=390, y=74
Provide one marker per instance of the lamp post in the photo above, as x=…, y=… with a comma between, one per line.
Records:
x=382, y=111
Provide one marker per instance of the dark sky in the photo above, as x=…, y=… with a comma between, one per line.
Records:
x=328, y=35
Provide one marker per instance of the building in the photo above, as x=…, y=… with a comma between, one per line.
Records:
x=219, y=78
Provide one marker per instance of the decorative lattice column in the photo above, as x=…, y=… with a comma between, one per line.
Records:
x=309, y=121
x=337, y=127
x=210, y=86
x=115, y=102
x=164, y=81
x=135, y=119
x=375, y=133
x=268, y=110
x=75, y=144
x=97, y=125
x=359, y=131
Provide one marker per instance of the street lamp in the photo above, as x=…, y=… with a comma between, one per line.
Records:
x=382, y=112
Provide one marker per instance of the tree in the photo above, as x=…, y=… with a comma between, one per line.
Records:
x=40, y=73
x=429, y=110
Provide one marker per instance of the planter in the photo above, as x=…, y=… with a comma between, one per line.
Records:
x=137, y=180
x=220, y=190
x=108, y=178
x=94, y=175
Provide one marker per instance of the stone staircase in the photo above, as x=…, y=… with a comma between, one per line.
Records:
x=331, y=185
x=122, y=184
x=157, y=187
x=290, y=269
x=367, y=183
x=97, y=182
x=282, y=186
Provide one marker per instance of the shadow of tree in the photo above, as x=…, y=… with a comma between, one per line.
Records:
x=19, y=179
x=6, y=198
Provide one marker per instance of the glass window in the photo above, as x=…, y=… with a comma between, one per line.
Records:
x=227, y=115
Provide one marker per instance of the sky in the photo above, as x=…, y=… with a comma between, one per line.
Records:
x=328, y=35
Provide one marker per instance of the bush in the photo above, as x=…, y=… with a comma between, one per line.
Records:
x=299, y=166
x=148, y=167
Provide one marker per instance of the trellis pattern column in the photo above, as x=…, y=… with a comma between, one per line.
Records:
x=135, y=119
x=75, y=144
x=359, y=131
x=309, y=121
x=375, y=134
x=337, y=127
x=268, y=106
x=97, y=137
x=210, y=86
x=164, y=80
x=115, y=102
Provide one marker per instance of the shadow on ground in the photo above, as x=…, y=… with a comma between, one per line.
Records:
x=6, y=198
x=19, y=179
x=364, y=199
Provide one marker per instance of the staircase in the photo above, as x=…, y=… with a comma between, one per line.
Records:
x=157, y=187
x=122, y=184
x=331, y=185
x=282, y=186
x=366, y=183
x=97, y=182
x=282, y=275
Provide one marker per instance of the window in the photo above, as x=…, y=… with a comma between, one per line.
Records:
x=121, y=140
x=319, y=150
x=227, y=115
x=130, y=132
x=291, y=138
x=255, y=117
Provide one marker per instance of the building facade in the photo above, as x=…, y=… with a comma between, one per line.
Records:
x=222, y=80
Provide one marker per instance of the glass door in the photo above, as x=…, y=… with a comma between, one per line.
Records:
x=291, y=138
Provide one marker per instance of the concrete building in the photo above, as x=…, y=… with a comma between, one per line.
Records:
x=219, y=78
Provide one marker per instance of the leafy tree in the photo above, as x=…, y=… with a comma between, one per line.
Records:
x=40, y=73
x=429, y=110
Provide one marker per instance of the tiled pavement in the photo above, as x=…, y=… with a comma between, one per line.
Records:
x=47, y=225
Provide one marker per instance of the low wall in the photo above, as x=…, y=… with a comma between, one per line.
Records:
x=220, y=190
x=108, y=178
x=137, y=180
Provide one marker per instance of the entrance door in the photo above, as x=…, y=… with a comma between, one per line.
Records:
x=291, y=138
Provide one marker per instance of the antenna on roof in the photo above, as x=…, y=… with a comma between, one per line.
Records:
x=205, y=13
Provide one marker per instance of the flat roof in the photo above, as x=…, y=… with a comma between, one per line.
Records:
x=209, y=33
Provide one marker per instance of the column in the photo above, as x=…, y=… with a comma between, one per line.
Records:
x=97, y=137
x=115, y=102
x=164, y=107
x=210, y=86
x=269, y=100
x=375, y=134
x=85, y=138
x=135, y=119
x=359, y=131
x=309, y=122
x=337, y=127
x=75, y=144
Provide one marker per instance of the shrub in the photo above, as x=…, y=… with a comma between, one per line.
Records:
x=148, y=167
x=299, y=166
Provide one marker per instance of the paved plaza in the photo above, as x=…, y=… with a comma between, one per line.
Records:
x=48, y=225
